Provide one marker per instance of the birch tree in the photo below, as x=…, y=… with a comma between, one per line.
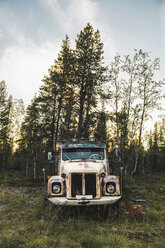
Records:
x=148, y=91
x=129, y=68
x=115, y=91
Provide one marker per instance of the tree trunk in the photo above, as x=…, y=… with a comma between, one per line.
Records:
x=4, y=162
x=140, y=135
x=34, y=168
x=58, y=118
x=27, y=167
x=53, y=122
x=87, y=119
x=81, y=111
x=126, y=125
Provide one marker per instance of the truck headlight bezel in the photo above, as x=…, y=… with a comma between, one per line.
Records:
x=111, y=187
x=56, y=188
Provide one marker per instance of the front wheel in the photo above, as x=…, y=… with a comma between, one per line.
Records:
x=113, y=210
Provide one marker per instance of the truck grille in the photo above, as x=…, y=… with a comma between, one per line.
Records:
x=76, y=184
x=81, y=181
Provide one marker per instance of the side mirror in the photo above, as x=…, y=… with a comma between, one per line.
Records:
x=117, y=154
x=50, y=156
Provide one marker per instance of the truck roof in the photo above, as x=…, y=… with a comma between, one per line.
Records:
x=83, y=145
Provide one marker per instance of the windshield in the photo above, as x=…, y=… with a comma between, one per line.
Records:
x=83, y=153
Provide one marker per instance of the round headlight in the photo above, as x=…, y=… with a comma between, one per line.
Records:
x=56, y=188
x=111, y=188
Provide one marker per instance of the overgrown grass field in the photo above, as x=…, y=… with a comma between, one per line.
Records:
x=28, y=221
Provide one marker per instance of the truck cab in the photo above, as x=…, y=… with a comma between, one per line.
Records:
x=83, y=176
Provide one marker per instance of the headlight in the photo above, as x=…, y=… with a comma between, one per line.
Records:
x=111, y=188
x=56, y=188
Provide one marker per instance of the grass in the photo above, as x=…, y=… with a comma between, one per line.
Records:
x=27, y=221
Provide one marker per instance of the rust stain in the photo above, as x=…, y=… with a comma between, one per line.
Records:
x=83, y=167
x=86, y=165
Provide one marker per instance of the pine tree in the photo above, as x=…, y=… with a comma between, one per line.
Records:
x=156, y=147
x=100, y=132
x=5, y=140
x=16, y=116
x=89, y=75
x=57, y=95
x=31, y=133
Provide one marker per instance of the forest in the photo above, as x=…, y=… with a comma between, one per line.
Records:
x=81, y=97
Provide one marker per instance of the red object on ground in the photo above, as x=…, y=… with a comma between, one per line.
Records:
x=135, y=211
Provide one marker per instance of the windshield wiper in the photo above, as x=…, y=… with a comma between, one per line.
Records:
x=67, y=157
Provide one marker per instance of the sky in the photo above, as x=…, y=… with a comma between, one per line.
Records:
x=31, y=34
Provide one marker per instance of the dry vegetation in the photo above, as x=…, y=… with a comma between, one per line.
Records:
x=28, y=221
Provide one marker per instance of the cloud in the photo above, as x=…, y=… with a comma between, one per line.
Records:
x=162, y=18
x=25, y=60
x=23, y=67
x=10, y=25
x=79, y=13
x=73, y=15
x=1, y=33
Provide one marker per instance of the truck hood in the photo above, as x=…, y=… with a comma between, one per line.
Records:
x=79, y=166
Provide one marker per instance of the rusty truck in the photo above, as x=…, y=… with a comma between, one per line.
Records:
x=83, y=174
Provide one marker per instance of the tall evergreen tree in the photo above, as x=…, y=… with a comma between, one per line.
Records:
x=16, y=117
x=31, y=133
x=5, y=140
x=156, y=147
x=89, y=75
x=100, y=132
x=57, y=95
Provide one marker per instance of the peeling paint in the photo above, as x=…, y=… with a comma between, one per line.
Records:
x=104, y=200
x=84, y=168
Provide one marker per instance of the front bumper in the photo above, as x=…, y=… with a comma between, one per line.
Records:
x=104, y=200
